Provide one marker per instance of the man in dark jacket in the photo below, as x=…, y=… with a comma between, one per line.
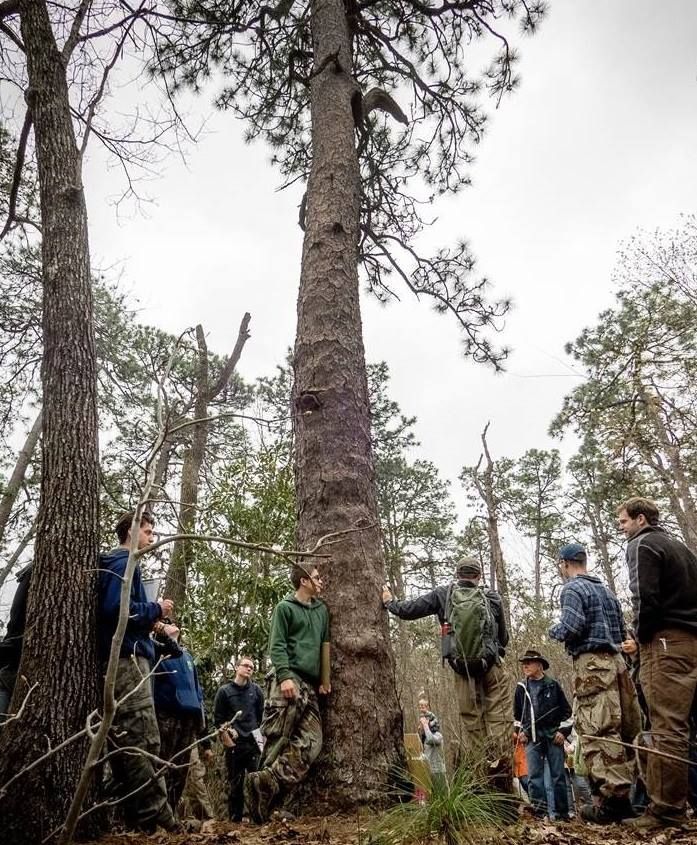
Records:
x=135, y=724
x=11, y=645
x=543, y=721
x=607, y=711
x=181, y=716
x=484, y=700
x=242, y=741
x=663, y=584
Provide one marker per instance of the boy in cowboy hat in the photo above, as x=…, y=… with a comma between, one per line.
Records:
x=543, y=721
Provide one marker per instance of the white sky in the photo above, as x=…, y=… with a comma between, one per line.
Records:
x=599, y=140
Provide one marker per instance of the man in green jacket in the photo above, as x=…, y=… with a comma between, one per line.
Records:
x=299, y=651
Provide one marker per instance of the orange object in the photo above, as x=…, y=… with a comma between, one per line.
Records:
x=520, y=764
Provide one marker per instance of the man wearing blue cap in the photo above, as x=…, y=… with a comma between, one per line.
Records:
x=607, y=711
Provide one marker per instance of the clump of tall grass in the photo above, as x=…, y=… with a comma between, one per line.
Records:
x=459, y=810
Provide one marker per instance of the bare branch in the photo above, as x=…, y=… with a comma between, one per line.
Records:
x=74, y=35
x=231, y=363
x=17, y=175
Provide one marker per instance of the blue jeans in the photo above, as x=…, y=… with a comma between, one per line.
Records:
x=536, y=753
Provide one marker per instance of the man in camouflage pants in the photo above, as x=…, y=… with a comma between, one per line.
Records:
x=135, y=724
x=605, y=701
x=299, y=651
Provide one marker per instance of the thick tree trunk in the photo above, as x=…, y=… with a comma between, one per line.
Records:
x=14, y=485
x=59, y=649
x=335, y=479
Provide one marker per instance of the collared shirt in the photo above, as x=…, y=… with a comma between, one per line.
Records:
x=591, y=617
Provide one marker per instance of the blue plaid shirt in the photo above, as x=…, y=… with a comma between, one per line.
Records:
x=591, y=617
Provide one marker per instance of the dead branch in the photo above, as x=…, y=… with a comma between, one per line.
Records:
x=17, y=553
x=226, y=374
x=17, y=175
x=15, y=481
x=72, y=39
x=94, y=102
x=641, y=749
x=164, y=765
x=327, y=540
x=18, y=714
x=377, y=98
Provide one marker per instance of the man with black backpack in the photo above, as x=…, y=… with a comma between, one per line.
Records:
x=473, y=639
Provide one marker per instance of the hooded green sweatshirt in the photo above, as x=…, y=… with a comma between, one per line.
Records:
x=297, y=633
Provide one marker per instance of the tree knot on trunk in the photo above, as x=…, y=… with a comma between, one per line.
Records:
x=30, y=96
x=308, y=401
x=72, y=193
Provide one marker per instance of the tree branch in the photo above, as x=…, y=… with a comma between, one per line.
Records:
x=17, y=175
x=229, y=368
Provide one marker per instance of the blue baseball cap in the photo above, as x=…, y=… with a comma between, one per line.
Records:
x=572, y=551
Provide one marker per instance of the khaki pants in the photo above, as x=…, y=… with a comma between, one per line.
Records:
x=486, y=719
x=668, y=674
x=606, y=707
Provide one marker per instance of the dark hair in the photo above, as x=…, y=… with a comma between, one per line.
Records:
x=298, y=572
x=123, y=526
x=638, y=505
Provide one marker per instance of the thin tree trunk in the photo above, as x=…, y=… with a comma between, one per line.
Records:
x=17, y=554
x=60, y=645
x=177, y=573
x=14, y=485
x=538, y=559
x=485, y=486
x=600, y=540
x=183, y=552
x=335, y=478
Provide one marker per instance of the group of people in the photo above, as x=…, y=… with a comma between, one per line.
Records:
x=161, y=738
x=271, y=740
x=634, y=687
x=167, y=718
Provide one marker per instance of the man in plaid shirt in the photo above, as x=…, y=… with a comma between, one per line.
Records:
x=605, y=703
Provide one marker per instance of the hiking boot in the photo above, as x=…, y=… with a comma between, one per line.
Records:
x=648, y=823
x=609, y=811
x=620, y=808
x=597, y=814
x=260, y=790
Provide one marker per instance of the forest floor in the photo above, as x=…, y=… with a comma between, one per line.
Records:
x=355, y=830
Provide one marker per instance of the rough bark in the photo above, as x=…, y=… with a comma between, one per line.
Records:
x=335, y=479
x=59, y=650
x=14, y=485
x=183, y=552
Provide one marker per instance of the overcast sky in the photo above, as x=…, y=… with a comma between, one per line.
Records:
x=599, y=140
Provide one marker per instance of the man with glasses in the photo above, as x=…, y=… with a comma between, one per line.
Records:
x=242, y=751
x=299, y=651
